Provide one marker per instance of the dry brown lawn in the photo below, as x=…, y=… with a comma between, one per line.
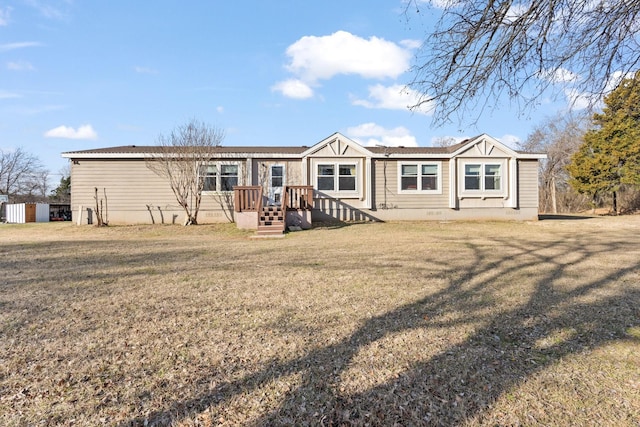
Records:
x=430, y=323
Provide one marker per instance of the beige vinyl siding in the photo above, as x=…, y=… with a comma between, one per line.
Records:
x=528, y=183
x=134, y=193
x=293, y=171
x=395, y=200
x=129, y=184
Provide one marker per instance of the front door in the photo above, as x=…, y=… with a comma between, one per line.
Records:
x=276, y=183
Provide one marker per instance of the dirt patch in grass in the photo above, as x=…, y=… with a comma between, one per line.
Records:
x=471, y=323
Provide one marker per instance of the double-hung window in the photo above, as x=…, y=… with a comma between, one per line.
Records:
x=326, y=177
x=492, y=177
x=346, y=177
x=228, y=177
x=210, y=175
x=337, y=177
x=483, y=178
x=423, y=177
x=220, y=177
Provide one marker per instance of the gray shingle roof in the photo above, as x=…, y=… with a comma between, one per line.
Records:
x=152, y=149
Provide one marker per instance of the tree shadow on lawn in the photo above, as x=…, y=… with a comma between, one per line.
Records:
x=461, y=381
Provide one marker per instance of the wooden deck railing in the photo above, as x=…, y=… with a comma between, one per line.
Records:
x=298, y=197
x=247, y=198
x=294, y=197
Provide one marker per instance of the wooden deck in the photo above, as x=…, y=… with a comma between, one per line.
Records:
x=272, y=220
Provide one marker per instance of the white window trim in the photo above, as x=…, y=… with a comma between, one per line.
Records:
x=218, y=166
x=419, y=189
x=482, y=193
x=336, y=177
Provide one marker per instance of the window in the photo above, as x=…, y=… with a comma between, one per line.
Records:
x=472, y=177
x=429, y=177
x=419, y=177
x=228, y=177
x=483, y=177
x=347, y=178
x=409, y=177
x=220, y=177
x=276, y=182
x=277, y=174
x=492, y=177
x=337, y=177
x=326, y=177
x=210, y=178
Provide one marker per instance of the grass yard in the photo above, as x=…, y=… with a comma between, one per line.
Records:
x=473, y=323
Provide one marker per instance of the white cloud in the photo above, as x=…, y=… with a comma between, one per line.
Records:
x=411, y=44
x=442, y=4
x=220, y=109
x=8, y=95
x=614, y=80
x=20, y=66
x=515, y=11
x=510, y=141
x=4, y=16
x=18, y=45
x=315, y=58
x=293, y=88
x=579, y=100
x=47, y=10
x=83, y=132
x=145, y=70
x=582, y=100
x=371, y=134
x=561, y=75
x=395, y=97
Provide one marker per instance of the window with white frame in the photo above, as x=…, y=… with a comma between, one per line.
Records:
x=424, y=177
x=220, y=177
x=336, y=177
x=483, y=177
x=326, y=177
x=228, y=177
x=347, y=177
x=210, y=175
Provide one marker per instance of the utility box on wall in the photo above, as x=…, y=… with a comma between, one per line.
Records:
x=20, y=213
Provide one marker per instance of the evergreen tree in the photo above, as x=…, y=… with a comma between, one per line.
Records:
x=63, y=191
x=610, y=154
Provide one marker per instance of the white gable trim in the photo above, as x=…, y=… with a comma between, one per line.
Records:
x=338, y=144
x=483, y=146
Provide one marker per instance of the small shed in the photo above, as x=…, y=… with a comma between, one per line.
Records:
x=21, y=213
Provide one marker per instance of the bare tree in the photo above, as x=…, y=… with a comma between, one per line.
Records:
x=444, y=141
x=184, y=155
x=481, y=50
x=559, y=137
x=22, y=174
x=101, y=209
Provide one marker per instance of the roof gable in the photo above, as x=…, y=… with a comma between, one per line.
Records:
x=483, y=146
x=337, y=145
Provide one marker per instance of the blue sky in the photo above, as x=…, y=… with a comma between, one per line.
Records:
x=85, y=74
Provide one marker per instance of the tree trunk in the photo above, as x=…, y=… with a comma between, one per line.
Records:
x=615, y=203
x=552, y=189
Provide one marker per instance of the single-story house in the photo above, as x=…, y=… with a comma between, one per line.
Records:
x=335, y=179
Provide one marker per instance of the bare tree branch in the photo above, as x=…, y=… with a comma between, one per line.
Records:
x=559, y=137
x=482, y=50
x=22, y=174
x=186, y=150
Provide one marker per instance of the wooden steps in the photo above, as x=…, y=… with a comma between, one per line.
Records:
x=271, y=221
